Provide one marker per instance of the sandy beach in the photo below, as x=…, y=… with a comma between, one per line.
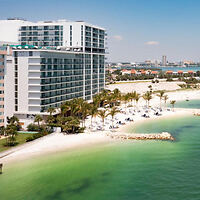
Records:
x=142, y=86
x=58, y=142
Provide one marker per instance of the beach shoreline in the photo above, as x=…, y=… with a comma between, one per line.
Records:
x=58, y=142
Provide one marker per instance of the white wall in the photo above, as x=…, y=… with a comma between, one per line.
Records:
x=9, y=30
x=22, y=84
x=9, y=94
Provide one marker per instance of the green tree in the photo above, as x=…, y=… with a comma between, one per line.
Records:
x=84, y=110
x=2, y=130
x=112, y=113
x=102, y=114
x=51, y=110
x=137, y=98
x=14, y=121
x=93, y=111
x=72, y=125
x=161, y=95
x=11, y=132
x=165, y=98
x=147, y=97
x=126, y=99
x=38, y=119
x=173, y=104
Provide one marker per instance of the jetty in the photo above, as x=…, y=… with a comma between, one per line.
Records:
x=142, y=136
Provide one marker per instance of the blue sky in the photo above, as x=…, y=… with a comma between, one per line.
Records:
x=137, y=29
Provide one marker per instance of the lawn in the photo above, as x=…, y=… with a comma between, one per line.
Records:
x=21, y=139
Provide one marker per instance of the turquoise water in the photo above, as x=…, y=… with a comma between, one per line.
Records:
x=127, y=170
x=25, y=132
x=175, y=69
x=188, y=104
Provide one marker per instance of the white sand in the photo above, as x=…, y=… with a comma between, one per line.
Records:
x=53, y=143
x=142, y=87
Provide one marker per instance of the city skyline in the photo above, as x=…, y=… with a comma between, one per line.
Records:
x=137, y=30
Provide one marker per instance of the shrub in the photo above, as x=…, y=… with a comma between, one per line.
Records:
x=33, y=127
x=169, y=79
x=29, y=138
x=34, y=137
x=11, y=141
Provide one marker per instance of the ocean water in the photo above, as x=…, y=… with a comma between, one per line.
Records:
x=124, y=170
x=175, y=69
x=188, y=104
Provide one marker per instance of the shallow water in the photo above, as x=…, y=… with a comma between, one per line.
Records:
x=127, y=170
x=188, y=104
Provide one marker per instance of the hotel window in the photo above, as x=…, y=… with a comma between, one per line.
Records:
x=30, y=53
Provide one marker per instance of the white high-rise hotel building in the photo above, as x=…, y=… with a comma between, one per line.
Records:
x=57, y=61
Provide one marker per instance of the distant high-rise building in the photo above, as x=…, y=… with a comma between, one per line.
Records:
x=164, y=60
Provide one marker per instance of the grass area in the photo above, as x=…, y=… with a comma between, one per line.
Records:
x=21, y=139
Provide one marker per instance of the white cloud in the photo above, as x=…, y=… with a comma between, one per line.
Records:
x=118, y=37
x=152, y=43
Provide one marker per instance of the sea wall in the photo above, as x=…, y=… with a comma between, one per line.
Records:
x=142, y=136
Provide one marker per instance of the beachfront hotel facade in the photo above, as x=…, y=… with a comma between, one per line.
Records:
x=45, y=71
x=37, y=79
x=78, y=35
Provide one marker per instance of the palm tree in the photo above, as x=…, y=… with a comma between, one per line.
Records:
x=93, y=112
x=51, y=110
x=117, y=94
x=102, y=114
x=147, y=97
x=161, y=95
x=137, y=97
x=165, y=98
x=75, y=106
x=97, y=100
x=173, y=103
x=11, y=132
x=2, y=130
x=38, y=119
x=71, y=125
x=132, y=97
x=14, y=121
x=113, y=112
x=84, y=111
x=126, y=98
x=64, y=108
